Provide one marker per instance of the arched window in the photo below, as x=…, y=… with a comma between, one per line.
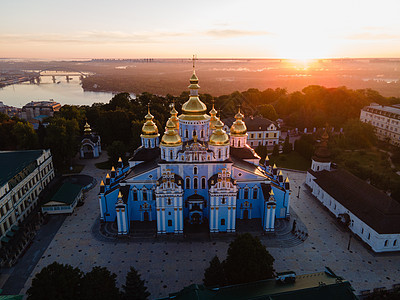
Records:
x=171, y=155
x=395, y=243
x=255, y=193
x=246, y=193
x=219, y=153
x=203, y=183
x=238, y=143
x=169, y=201
x=194, y=133
x=222, y=222
x=369, y=235
x=195, y=183
x=187, y=184
x=144, y=192
x=135, y=195
x=153, y=195
x=202, y=133
x=223, y=200
x=386, y=243
x=186, y=133
x=163, y=153
x=195, y=170
x=317, y=168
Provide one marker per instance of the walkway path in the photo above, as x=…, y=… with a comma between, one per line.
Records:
x=168, y=266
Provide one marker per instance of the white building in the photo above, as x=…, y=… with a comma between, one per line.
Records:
x=260, y=131
x=23, y=175
x=385, y=119
x=370, y=213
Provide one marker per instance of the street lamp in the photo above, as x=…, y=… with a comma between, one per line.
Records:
x=298, y=193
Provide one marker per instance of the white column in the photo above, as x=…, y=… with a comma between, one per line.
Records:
x=228, y=225
x=180, y=220
x=268, y=217
x=101, y=209
x=123, y=215
x=176, y=219
x=216, y=219
x=273, y=218
x=233, y=229
x=158, y=221
x=163, y=219
x=212, y=214
x=119, y=221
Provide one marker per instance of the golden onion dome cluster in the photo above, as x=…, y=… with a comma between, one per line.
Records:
x=171, y=138
x=219, y=136
x=238, y=127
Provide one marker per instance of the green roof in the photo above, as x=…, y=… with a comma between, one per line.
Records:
x=13, y=162
x=322, y=285
x=66, y=193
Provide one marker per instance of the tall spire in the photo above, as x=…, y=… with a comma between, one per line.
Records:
x=194, y=108
x=174, y=115
x=213, y=113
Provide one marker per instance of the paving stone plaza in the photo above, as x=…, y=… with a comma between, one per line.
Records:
x=168, y=265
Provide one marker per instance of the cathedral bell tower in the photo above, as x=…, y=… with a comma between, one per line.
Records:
x=322, y=156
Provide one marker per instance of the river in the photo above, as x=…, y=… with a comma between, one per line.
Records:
x=60, y=91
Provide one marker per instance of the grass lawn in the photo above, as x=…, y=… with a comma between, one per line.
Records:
x=105, y=165
x=293, y=160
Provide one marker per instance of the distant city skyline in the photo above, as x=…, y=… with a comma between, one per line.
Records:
x=217, y=29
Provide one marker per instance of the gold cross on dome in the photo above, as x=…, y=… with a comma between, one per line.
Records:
x=194, y=60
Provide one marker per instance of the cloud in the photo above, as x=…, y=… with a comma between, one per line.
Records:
x=229, y=33
x=371, y=36
x=118, y=37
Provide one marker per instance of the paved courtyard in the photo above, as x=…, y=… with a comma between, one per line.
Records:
x=168, y=266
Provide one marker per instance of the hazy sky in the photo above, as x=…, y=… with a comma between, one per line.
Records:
x=217, y=28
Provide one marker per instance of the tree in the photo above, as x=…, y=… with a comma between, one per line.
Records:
x=99, y=284
x=56, y=281
x=25, y=135
x=116, y=150
x=214, y=274
x=268, y=111
x=247, y=260
x=62, y=139
x=134, y=288
x=287, y=146
x=275, y=151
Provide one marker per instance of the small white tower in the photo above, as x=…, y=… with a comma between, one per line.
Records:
x=322, y=156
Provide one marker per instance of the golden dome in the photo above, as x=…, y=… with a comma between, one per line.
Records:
x=149, y=128
x=238, y=127
x=171, y=138
x=219, y=136
x=194, y=108
x=87, y=129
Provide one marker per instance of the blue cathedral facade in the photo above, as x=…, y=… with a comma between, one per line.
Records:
x=196, y=174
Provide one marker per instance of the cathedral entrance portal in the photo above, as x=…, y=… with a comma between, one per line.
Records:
x=245, y=214
x=145, y=216
x=196, y=205
x=196, y=218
